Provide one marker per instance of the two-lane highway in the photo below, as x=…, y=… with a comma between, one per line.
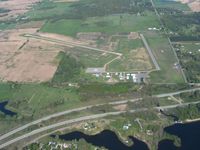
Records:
x=86, y=118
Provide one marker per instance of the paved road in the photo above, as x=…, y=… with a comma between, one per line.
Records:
x=176, y=93
x=176, y=105
x=53, y=126
x=150, y=52
x=67, y=43
x=84, y=108
x=87, y=107
x=60, y=114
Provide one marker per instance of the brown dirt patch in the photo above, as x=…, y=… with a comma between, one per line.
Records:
x=141, y=55
x=133, y=35
x=193, y=4
x=121, y=107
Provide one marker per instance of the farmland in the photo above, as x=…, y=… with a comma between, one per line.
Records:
x=15, y=50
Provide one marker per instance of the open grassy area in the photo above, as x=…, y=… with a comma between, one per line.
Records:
x=165, y=58
x=109, y=24
x=8, y=25
x=91, y=58
x=135, y=57
x=171, y=4
x=37, y=99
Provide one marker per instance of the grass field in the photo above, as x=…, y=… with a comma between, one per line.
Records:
x=4, y=26
x=135, y=57
x=37, y=99
x=171, y=4
x=109, y=24
x=166, y=59
x=90, y=58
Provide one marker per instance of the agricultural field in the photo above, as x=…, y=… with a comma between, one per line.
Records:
x=16, y=50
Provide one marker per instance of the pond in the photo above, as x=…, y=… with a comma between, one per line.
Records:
x=107, y=139
x=4, y=110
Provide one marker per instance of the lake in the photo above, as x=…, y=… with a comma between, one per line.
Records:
x=107, y=139
x=4, y=110
x=189, y=133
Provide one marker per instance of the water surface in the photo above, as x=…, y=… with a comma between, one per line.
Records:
x=107, y=139
x=4, y=110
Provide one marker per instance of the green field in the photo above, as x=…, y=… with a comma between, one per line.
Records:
x=165, y=58
x=134, y=58
x=8, y=25
x=83, y=9
x=90, y=58
x=111, y=24
x=171, y=4
x=37, y=99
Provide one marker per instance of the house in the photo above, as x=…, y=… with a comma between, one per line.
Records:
x=108, y=75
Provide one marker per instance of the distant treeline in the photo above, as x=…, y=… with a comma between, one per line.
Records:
x=186, y=27
x=184, y=38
